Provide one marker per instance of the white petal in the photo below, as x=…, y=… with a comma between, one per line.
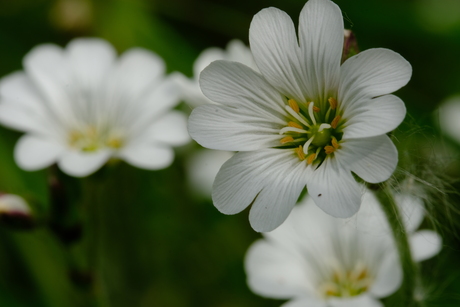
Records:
x=276, y=200
x=205, y=58
x=275, y=49
x=425, y=244
x=449, y=118
x=334, y=189
x=305, y=302
x=363, y=300
x=224, y=128
x=236, y=85
x=81, y=164
x=33, y=153
x=191, y=92
x=137, y=71
x=411, y=209
x=389, y=275
x=373, y=159
x=371, y=73
x=274, y=272
x=250, y=175
x=170, y=129
x=22, y=119
x=90, y=60
x=321, y=42
x=237, y=51
x=50, y=71
x=148, y=156
x=202, y=168
x=374, y=117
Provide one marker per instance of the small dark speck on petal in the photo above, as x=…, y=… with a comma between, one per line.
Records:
x=319, y=195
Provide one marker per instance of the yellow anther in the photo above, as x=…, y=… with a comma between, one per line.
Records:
x=287, y=139
x=335, y=143
x=293, y=104
x=115, y=143
x=74, y=137
x=329, y=149
x=335, y=122
x=299, y=152
x=295, y=125
x=315, y=108
x=311, y=158
x=333, y=103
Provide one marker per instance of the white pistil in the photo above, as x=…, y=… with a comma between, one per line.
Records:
x=292, y=129
x=310, y=112
x=297, y=116
x=323, y=126
x=307, y=144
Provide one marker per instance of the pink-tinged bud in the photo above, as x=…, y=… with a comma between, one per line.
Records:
x=15, y=212
x=350, y=45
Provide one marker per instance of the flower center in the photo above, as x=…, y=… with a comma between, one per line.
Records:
x=91, y=139
x=312, y=133
x=347, y=283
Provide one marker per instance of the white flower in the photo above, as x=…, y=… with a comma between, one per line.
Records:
x=236, y=51
x=316, y=260
x=80, y=106
x=305, y=120
x=449, y=118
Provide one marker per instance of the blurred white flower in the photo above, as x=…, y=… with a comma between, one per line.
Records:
x=203, y=165
x=316, y=260
x=305, y=120
x=449, y=118
x=236, y=51
x=80, y=106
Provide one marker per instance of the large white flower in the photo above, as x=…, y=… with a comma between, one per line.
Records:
x=305, y=120
x=80, y=106
x=316, y=260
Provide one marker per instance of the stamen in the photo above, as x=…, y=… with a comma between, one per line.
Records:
x=311, y=158
x=333, y=103
x=307, y=144
x=323, y=126
x=299, y=152
x=335, y=143
x=296, y=116
x=287, y=139
x=295, y=125
x=292, y=129
x=329, y=149
x=335, y=122
x=310, y=112
x=293, y=104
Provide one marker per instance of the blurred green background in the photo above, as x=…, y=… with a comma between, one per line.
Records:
x=158, y=243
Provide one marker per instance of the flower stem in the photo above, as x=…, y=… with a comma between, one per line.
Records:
x=410, y=269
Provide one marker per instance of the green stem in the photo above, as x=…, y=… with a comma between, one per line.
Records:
x=410, y=269
x=94, y=236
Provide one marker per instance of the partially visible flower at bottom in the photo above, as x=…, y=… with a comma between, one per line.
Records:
x=316, y=260
x=15, y=211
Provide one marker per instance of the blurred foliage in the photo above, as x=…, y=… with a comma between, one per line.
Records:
x=156, y=243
